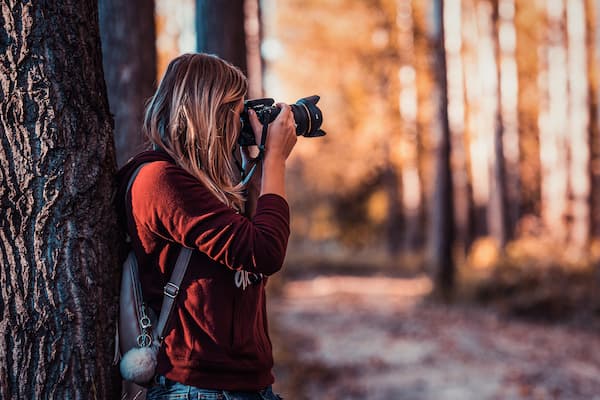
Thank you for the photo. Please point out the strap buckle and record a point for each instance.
(171, 290)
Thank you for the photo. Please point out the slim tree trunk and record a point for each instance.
(58, 233)
(553, 121)
(592, 12)
(578, 140)
(424, 63)
(456, 116)
(220, 30)
(499, 200)
(528, 38)
(508, 95)
(407, 104)
(129, 59)
(442, 224)
(253, 31)
(476, 56)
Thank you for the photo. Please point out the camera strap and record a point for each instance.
(254, 161)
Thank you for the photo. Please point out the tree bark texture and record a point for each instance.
(129, 56)
(220, 30)
(58, 273)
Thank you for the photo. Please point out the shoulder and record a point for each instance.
(164, 174)
(166, 184)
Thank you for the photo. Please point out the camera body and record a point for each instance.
(307, 116)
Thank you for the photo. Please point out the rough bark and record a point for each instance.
(129, 57)
(220, 30)
(442, 224)
(58, 273)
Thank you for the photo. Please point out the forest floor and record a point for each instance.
(359, 337)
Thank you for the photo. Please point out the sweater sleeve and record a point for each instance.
(174, 205)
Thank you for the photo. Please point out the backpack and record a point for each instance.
(139, 330)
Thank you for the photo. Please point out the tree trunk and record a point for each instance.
(425, 110)
(254, 60)
(592, 11)
(456, 116)
(499, 199)
(58, 233)
(528, 38)
(477, 127)
(129, 59)
(442, 224)
(407, 104)
(579, 154)
(553, 122)
(220, 30)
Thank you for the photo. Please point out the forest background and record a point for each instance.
(463, 149)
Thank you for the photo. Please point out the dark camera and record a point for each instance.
(307, 116)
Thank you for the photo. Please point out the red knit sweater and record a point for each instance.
(218, 336)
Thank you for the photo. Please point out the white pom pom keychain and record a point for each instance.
(139, 364)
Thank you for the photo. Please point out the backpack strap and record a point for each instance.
(171, 289)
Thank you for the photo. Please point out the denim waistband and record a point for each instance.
(167, 389)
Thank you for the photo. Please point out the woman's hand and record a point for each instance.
(281, 134)
(281, 139)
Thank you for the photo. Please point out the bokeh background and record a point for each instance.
(446, 230)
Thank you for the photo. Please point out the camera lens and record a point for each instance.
(307, 116)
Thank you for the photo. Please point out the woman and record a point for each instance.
(188, 194)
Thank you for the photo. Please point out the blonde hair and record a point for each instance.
(191, 117)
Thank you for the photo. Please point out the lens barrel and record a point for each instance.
(307, 116)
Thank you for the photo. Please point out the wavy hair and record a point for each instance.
(192, 118)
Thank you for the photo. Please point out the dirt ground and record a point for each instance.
(344, 337)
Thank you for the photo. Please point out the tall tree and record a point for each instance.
(129, 56)
(592, 40)
(578, 128)
(58, 270)
(528, 37)
(553, 120)
(424, 62)
(499, 200)
(220, 30)
(456, 119)
(407, 101)
(477, 124)
(254, 60)
(442, 219)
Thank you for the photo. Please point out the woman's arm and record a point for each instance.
(171, 204)
(281, 139)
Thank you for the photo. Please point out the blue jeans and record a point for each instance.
(166, 389)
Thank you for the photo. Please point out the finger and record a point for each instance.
(254, 122)
(285, 111)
